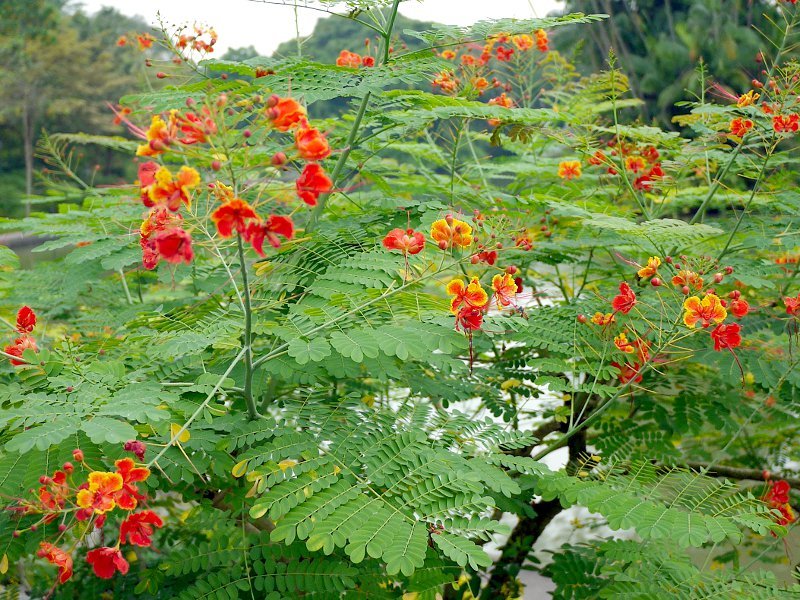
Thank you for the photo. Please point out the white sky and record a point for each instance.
(247, 22)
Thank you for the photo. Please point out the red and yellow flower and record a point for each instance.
(625, 300)
(310, 143)
(138, 528)
(726, 336)
(740, 127)
(472, 295)
(406, 241)
(168, 190)
(128, 495)
(603, 319)
(451, 232)
(100, 496)
(159, 135)
(285, 113)
(106, 562)
(569, 169)
(650, 269)
(233, 215)
(505, 289)
(275, 225)
(706, 311)
(58, 557)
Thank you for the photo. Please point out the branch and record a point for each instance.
(739, 473)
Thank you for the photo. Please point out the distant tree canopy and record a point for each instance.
(659, 44)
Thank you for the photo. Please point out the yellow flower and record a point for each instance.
(747, 99)
(706, 310)
(457, 233)
(650, 269)
(569, 169)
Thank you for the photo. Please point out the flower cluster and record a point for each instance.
(26, 322)
(354, 60)
(642, 162)
(83, 505)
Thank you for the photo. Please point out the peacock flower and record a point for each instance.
(233, 215)
(622, 343)
(406, 241)
(569, 169)
(138, 528)
(106, 562)
(739, 127)
(634, 164)
(650, 269)
(196, 127)
(310, 143)
(625, 300)
(541, 40)
(792, 305)
(174, 245)
(285, 113)
(603, 319)
(455, 233)
(726, 336)
(786, 124)
(469, 319)
(159, 135)
(348, 59)
(19, 346)
(26, 319)
(128, 495)
(100, 496)
(311, 183)
(169, 191)
(471, 295)
(706, 311)
(505, 289)
(689, 279)
(747, 99)
(56, 556)
(522, 42)
(739, 307)
(275, 225)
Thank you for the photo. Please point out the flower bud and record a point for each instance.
(443, 245)
(68, 467)
(448, 219)
(547, 234)
(273, 100)
(511, 269)
(44, 480)
(718, 277)
(15, 534)
(582, 319)
(728, 270)
(62, 527)
(161, 75)
(190, 102)
(685, 290)
(247, 133)
(655, 282)
(278, 159)
(77, 455)
(216, 165)
(474, 259)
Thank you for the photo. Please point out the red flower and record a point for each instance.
(628, 372)
(275, 225)
(56, 556)
(312, 182)
(138, 528)
(625, 300)
(285, 113)
(726, 336)
(18, 347)
(174, 245)
(787, 124)
(792, 306)
(234, 214)
(778, 492)
(469, 318)
(739, 127)
(739, 307)
(196, 128)
(107, 561)
(406, 241)
(488, 257)
(310, 143)
(127, 498)
(368, 61)
(504, 54)
(26, 319)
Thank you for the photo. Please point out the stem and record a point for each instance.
(351, 137)
(247, 337)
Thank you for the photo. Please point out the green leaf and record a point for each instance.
(104, 429)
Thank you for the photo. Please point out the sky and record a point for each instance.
(264, 26)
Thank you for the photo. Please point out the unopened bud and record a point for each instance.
(161, 75)
(62, 527)
(582, 319)
(718, 277)
(685, 290)
(655, 282)
(216, 165)
(77, 455)
(278, 159)
(273, 100)
(44, 480)
(190, 102)
(728, 270)
(442, 245)
(511, 269)
(448, 219)
(68, 467)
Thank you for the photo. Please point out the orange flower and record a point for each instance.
(285, 113)
(169, 192)
(312, 182)
(505, 289)
(634, 164)
(603, 319)
(688, 278)
(707, 310)
(628, 372)
(348, 59)
(56, 556)
(739, 127)
(406, 241)
(726, 336)
(625, 300)
(479, 83)
(522, 42)
(747, 99)
(456, 233)
(448, 54)
(159, 136)
(258, 231)
(472, 295)
(502, 100)
(310, 143)
(650, 269)
(622, 343)
(469, 319)
(106, 562)
(569, 169)
(128, 495)
(786, 124)
(122, 41)
(792, 306)
(145, 41)
(541, 40)
(100, 496)
(234, 214)
(446, 81)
